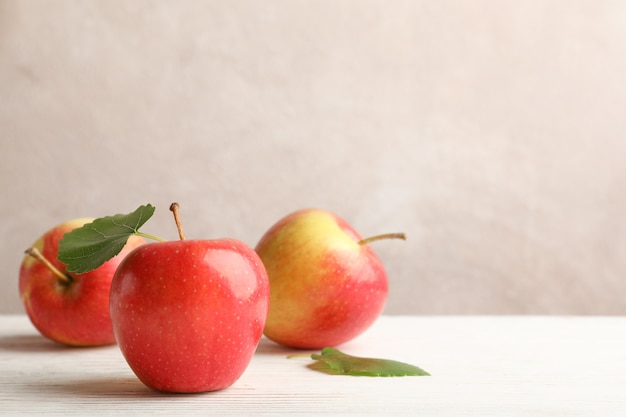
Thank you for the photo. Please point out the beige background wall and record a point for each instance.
(491, 132)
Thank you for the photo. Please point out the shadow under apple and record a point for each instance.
(269, 347)
(111, 388)
(120, 387)
(29, 343)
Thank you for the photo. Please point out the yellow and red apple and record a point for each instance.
(327, 285)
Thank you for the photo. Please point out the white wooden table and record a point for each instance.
(480, 366)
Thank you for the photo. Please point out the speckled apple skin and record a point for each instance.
(188, 315)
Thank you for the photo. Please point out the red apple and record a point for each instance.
(327, 284)
(68, 308)
(189, 314)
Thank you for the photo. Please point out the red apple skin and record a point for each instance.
(326, 288)
(74, 314)
(188, 315)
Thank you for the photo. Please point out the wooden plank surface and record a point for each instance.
(480, 366)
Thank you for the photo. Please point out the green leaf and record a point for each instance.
(88, 247)
(334, 362)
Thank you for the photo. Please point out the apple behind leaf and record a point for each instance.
(68, 308)
(327, 284)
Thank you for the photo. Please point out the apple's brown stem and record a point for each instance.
(174, 209)
(63, 277)
(381, 237)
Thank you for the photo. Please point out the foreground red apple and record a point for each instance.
(189, 314)
(327, 284)
(68, 308)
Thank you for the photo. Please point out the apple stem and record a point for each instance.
(35, 253)
(381, 237)
(174, 209)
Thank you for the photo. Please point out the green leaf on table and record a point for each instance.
(88, 247)
(332, 361)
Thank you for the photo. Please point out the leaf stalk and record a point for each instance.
(149, 236)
